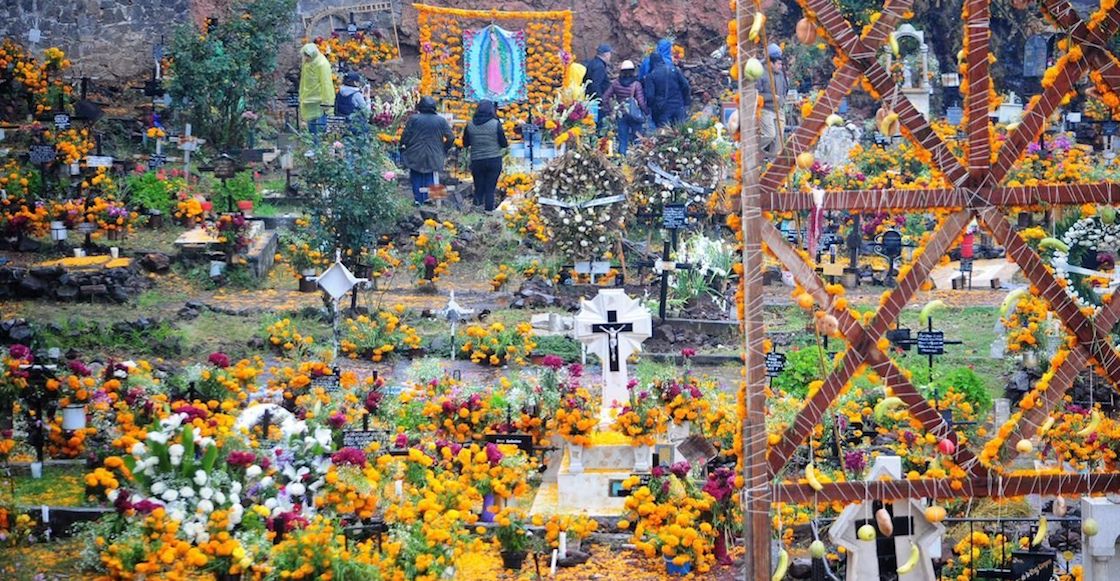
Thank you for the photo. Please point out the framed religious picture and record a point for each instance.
(494, 65)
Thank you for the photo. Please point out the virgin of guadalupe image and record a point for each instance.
(495, 64)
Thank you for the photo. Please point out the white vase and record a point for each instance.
(217, 267)
(73, 417)
(643, 458)
(36, 470)
(575, 459)
(677, 433)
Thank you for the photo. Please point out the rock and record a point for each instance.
(66, 292)
(155, 262)
(32, 286)
(28, 245)
(256, 343)
(93, 289)
(21, 333)
(665, 333)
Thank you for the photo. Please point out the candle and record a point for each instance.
(399, 486)
(552, 569)
(563, 545)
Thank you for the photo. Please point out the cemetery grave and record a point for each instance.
(233, 347)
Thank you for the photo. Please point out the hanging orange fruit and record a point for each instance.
(806, 31)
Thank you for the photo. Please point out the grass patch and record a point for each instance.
(53, 561)
(156, 298)
(91, 337)
(236, 277)
(210, 332)
(59, 486)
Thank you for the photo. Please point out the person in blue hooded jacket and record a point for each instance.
(667, 92)
(664, 49)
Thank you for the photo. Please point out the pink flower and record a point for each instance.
(552, 361)
(688, 352)
(430, 260)
(349, 457)
(337, 145)
(218, 359)
(389, 175)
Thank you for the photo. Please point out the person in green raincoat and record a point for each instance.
(316, 88)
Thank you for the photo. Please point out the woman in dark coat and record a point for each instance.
(486, 139)
(425, 142)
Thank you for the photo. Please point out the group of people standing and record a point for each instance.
(654, 94)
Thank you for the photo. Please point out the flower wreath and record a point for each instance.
(1088, 239)
(688, 152)
(582, 203)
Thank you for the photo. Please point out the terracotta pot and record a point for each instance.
(513, 560)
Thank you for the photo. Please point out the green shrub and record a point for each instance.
(803, 366)
(563, 347)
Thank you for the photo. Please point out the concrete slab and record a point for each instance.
(983, 272)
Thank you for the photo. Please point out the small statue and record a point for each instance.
(907, 76)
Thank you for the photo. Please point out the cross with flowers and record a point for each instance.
(976, 192)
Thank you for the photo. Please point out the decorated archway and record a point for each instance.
(975, 190)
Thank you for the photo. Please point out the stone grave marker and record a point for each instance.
(880, 558)
(613, 326)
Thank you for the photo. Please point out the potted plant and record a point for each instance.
(514, 537)
(304, 255)
(641, 420)
(154, 192)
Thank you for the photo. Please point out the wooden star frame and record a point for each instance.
(975, 193)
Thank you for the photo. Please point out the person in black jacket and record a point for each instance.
(486, 139)
(598, 71)
(667, 91)
(425, 142)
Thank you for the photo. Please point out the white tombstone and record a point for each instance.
(613, 326)
(1100, 560)
(1003, 410)
(863, 561)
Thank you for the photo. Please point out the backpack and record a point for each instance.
(344, 106)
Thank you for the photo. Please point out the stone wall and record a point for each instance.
(114, 38)
(104, 38)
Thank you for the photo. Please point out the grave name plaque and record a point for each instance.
(224, 167)
(62, 121)
(966, 265)
(157, 160)
(99, 161)
(674, 216)
(522, 441)
(1110, 128)
(775, 364)
(329, 383)
(931, 343)
(1032, 565)
(292, 99)
(41, 153)
(361, 439)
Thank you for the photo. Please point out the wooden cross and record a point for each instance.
(187, 144)
(975, 191)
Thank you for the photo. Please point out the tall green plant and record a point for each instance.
(222, 77)
(356, 196)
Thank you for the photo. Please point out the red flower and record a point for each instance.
(218, 359)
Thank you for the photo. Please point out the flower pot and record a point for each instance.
(59, 232)
(73, 417)
(155, 219)
(575, 459)
(217, 267)
(643, 458)
(679, 570)
(116, 234)
(513, 560)
(678, 432)
(487, 505)
(307, 285)
(246, 206)
(1030, 360)
(36, 470)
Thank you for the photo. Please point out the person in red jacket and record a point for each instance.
(626, 92)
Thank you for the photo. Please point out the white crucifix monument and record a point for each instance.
(613, 326)
(880, 557)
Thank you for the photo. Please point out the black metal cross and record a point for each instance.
(612, 328)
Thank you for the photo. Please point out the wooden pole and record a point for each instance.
(757, 491)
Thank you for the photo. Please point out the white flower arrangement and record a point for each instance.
(1091, 235)
(575, 196)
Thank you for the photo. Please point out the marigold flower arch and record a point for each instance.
(976, 191)
(548, 37)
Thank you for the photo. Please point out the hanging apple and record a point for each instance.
(946, 446)
(817, 549)
(834, 120)
(867, 533)
(1024, 446)
(805, 160)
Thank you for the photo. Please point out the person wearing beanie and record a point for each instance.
(598, 71)
(773, 99)
(351, 99)
(628, 95)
